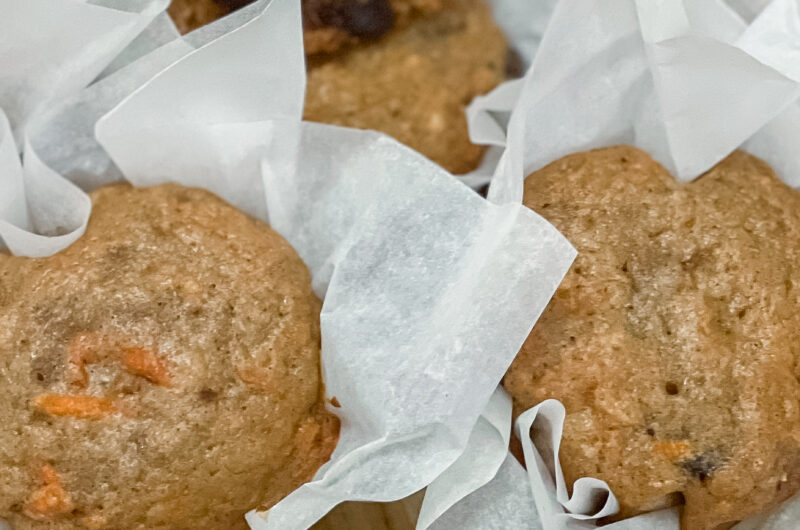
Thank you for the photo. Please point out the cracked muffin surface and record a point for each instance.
(161, 372)
(673, 339)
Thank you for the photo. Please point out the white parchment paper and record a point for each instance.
(51, 48)
(429, 290)
(686, 81)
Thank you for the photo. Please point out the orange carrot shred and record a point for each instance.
(672, 449)
(83, 407)
(145, 363)
(50, 499)
(88, 348)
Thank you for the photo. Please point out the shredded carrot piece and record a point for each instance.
(50, 499)
(672, 449)
(88, 348)
(84, 407)
(145, 363)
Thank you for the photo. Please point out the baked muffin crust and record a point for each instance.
(161, 372)
(673, 340)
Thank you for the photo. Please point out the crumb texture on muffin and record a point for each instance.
(674, 339)
(416, 82)
(162, 372)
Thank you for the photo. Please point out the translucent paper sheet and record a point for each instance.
(51, 48)
(428, 289)
(523, 23)
(686, 81)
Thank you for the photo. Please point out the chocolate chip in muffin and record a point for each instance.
(370, 19)
(208, 395)
(365, 19)
(702, 466)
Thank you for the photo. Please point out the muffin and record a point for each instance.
(407, 68)
(673, 340)
(416, 82)
(162, 372)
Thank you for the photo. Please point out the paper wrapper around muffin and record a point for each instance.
(688, 82)
(83, 37)
(427, 288)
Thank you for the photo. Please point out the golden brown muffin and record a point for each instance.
(415, 83)
(674, 339)
(407, 68)
(162, 372)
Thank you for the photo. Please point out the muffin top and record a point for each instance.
(416, 82)
(161, 372)
(673, 341)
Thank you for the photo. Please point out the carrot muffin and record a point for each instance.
(407, 68)
(162, 372)
(673, 340)
(416, 82)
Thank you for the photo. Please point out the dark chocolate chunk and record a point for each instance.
(367, 19)
(701, 466)
(208, 395)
